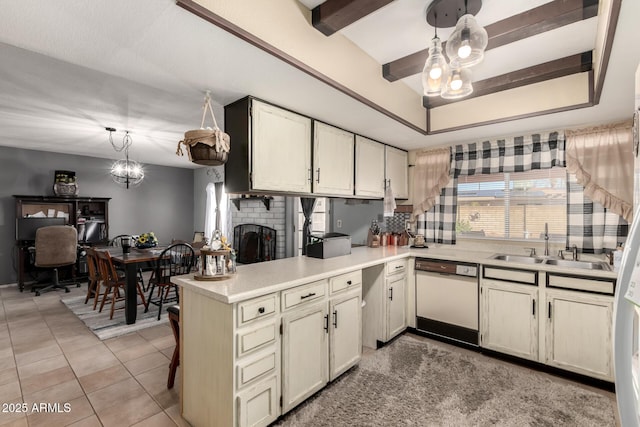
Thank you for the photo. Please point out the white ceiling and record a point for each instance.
(70, 68)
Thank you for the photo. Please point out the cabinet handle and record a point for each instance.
(310, 175)
(311, 294)
(549, 312)
(348, 282)
(326, 323)
(318, 176)
(261, 310)
(335, 319)
(534, 308)
(399, 266)
(391, 293)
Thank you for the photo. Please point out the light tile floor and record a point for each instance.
(48, 356)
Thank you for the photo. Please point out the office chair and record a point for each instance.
(56, 246)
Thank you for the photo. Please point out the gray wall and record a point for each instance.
(356, 218)
(162, 203)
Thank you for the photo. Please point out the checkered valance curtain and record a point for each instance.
(590, 226)
(519, 154)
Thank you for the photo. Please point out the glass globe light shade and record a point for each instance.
(457, 84)
(434, 69)
(127, 172)
(467, 43)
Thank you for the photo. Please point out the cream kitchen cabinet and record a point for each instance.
(384, 293)
(322, 335)
(305, 361)
(345, 330)
(333, 160)
(369, 168)
(270, 149)
(509, 312)
(396, 171)
(578, 328)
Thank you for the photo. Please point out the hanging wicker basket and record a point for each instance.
(208, 147)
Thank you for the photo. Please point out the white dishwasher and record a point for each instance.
(447, 299)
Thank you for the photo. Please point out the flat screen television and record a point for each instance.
(26, 227)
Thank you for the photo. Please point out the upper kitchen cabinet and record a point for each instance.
(396, 171)
(270, 149)
(369, 168)
(332, 160)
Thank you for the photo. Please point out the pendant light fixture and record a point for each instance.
(457, 84)
(464, 48)
(125, 171)
(435, 68)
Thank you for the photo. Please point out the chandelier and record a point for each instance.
(125, 171)
(465, 48)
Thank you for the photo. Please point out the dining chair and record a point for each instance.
(174, 320)
(113, 283)
(116, 242)
(95, 277)
(175, 260)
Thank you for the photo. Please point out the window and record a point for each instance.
(513, 205)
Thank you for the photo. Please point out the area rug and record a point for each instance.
(412, 382)
(105, 328)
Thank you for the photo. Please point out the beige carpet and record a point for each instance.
(412, 382)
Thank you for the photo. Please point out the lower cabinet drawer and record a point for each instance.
(345, 281)
(397, 266)
(304, 294)
(255, 338)
(258, 406)
(253, 368)
(257, 308)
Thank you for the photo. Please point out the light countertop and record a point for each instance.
(258, 279)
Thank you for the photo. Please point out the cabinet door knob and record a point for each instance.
(261, 310)
(348, 282)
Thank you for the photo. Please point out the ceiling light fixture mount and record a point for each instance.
(125, 171)
(464, 48)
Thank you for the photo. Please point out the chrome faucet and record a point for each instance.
(546, 239)
(574, 252)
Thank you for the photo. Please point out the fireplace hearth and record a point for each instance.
(254, 243)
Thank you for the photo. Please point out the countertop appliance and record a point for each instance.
(626, 331)
(329, 245)
(447, 300)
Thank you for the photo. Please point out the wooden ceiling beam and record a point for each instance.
(546, 17)
(333, 15)
(578, 63)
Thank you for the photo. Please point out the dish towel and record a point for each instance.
(389, 202)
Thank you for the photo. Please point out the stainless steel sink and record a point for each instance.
(586, 265)
(518, 258)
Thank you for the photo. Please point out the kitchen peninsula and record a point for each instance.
(256, 345)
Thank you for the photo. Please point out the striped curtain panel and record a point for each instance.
(590, 226)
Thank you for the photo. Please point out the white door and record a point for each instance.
(346, 333)
(369, 167)
(332, 160)
(281, 149)
(305, 357)
(395, 302)
(578, 333)
(396, 167)
(509, 319)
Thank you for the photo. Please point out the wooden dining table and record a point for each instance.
(130, 262)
